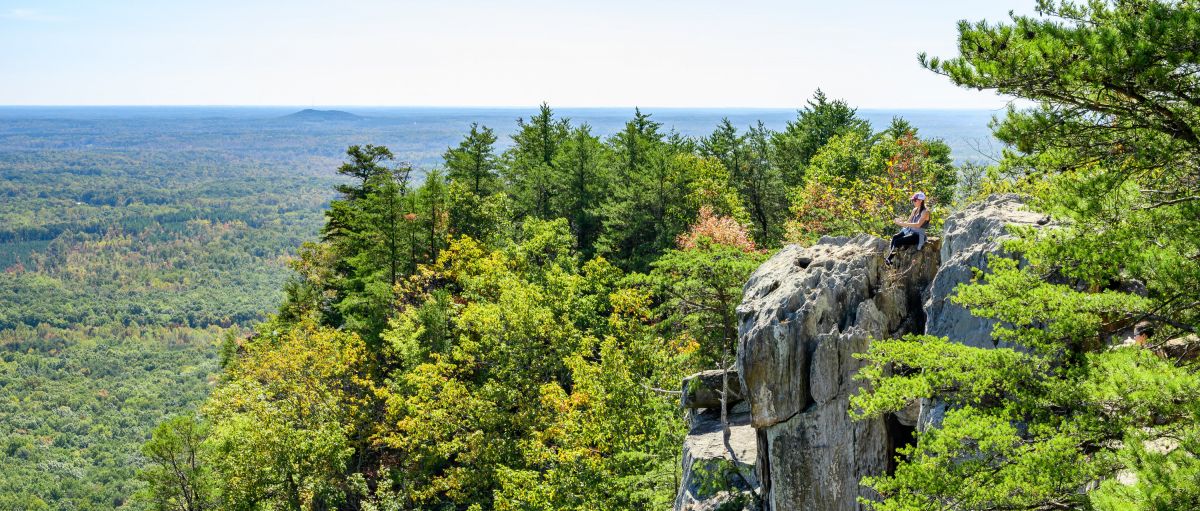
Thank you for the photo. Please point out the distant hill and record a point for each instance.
(309, 114)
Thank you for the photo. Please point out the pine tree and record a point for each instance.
(1110, 150)
(474, 161)
(762, 188)
(532, 173)
(433, 212)
(726, 145)
(635, 216)
(364, 232)
(366, 162)
(819, 122)
(373, 256)
(584, 176)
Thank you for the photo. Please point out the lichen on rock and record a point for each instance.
(713, 477)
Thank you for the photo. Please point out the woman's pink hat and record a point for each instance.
(918, 195)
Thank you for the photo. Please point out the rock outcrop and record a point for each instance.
(969, 236)
(703, 390)
(712, 478)
(803, 316)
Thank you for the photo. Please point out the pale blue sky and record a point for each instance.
(670, 53)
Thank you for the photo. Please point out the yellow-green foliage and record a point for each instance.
(483, 341)
(284, 419)
(855, 184)
(529, 396)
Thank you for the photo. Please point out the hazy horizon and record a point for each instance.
(482, 107)
(470, 53)
(421, 134)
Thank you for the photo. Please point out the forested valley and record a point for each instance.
(509, 330)
(504, 325)
(135, 279)
(121, 272)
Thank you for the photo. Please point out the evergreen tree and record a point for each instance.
(532, 173)
(727, 146)
(636, 214)
(374, 256)
(818, 123)
(762, 188)
(746, 158)
(474, 161)
(366, 162)
(1110, 150)
(364, 230)
(366, 165)
(434, 216)
(584, 181)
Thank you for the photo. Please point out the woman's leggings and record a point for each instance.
(904, 239)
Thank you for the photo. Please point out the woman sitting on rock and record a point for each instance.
(913, 232)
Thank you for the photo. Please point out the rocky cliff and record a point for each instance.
(804, 313)
(969, 236)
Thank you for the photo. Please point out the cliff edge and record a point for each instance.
(805, 313)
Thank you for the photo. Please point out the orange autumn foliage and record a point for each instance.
(718, 229)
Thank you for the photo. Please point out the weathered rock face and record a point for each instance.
(710, 470)
(703, 390)
(804, 314)
(969, 236)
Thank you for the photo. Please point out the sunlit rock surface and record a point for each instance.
(805, 313)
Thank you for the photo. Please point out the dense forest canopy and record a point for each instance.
(497, 333)
(134, 246)
(504, 345)
(502, 325)
(120, 272)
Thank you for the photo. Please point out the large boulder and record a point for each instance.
(803, 316)
(713, 477)
(806, 312)
(969, 237)
(703, 389)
